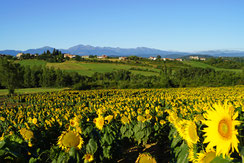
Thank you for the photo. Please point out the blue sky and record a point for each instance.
(181, 25)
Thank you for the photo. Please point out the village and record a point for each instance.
(123, 58)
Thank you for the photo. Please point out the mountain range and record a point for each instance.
(139, 51)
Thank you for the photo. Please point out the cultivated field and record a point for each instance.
(204, 65)
(88, 69)
(177, 125)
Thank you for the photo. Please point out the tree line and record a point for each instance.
(13, 75)
(228, 63)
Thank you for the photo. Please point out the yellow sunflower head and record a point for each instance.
(220, 130)
(70, 139)
(34, 121)
(88, 157)
(191, 156)
(99, 121)
(109, 118)
(190, 133)
(145, 158)
(162, 122)
(26, 134)
(206, 157)
(141, 118)
(73, 123)
(124, 120)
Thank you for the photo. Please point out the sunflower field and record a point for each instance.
(188, 124)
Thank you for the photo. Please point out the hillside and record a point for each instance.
(203, 65)
(89, 69)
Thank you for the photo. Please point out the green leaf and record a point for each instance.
(91, 147)
(32, 160)
(139, 135)
(2, 152)
(123, 129)
(242, 151)
(108, 138)
(219, 159)
(183, 154)
(2, 143)
(72, 152)
(62, 157)
(88, 130)
(128, 133)
(147, 131)
(136, 128)
(106, 152)
(175, 141)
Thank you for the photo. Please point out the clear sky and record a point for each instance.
(181, 25)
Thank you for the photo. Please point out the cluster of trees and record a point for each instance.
(55, 56)
(231, 63)
(13, 75)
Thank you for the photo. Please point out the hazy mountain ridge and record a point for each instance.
(139, 51)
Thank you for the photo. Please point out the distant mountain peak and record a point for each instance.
(81, 49)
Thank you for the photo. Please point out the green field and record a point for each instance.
(32, 62)
(89, 69)
(203, 65)
(30, 90)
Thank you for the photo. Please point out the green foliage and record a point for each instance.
(227, 63)
(10, 74)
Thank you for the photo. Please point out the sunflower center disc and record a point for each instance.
(224, 128)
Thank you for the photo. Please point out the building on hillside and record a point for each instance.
(179, 59)
(202, 59)
(102, 57)
(85, 56)
(194, 57)
(122, 58)
(167, 59)
(19, 55)
(69, 55)
(152, 58)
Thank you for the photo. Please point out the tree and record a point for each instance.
(77, 58)
(158, 57)
(10, 75)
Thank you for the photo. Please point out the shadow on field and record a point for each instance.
(160, 151)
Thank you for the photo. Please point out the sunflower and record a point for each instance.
(70, 139)
(190, 133)
(162, 122)
(109, 118)
(26, 134)
(99, 121)
(206, 157)
(88, 157)
(34, 121)
(124, 120)
(145, 158)
(2, 137)
(141, 118)
(221, 130)
(191, 156)
(180, 127)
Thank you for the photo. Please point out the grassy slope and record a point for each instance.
(87, 68)
(32, 62)
(203, 65)
(30, 90)
(90, 68)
